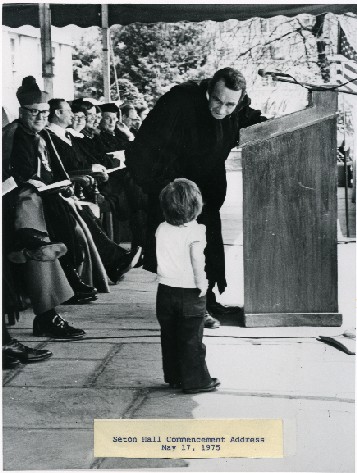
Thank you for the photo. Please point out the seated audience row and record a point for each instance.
(59, 243)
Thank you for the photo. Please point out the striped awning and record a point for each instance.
(86, 15)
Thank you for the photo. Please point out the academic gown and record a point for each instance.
(180, 138)
(126, 197)
(34, 156)
(92, 150)
(44, 282)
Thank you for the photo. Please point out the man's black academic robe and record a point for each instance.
(180, 138)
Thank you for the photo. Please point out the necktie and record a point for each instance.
(68, 136)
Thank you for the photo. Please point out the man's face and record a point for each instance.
(132, 120)
(34, 116)
(222, 100)
(91, 118)
(64, 115)
(108, 122)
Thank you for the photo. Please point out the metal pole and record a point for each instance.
(106, 52)
(345, 158)
(46, 47)
(115, 70)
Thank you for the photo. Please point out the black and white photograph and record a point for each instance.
(154, 154)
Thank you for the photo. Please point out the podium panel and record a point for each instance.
(290, 218)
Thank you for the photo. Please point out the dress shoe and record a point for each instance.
(8, 361)
(211, 322)
(79, 299)
(32, 244)
(30, 238)
(56, 328)
(75, 281)
(127, 262)
(205, 389)
(215, 308)
(24, 353)
(48, 252)
(83, 290)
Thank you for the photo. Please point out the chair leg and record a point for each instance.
(107, 221)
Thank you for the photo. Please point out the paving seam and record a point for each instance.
(97, 463)
(221, 391)
(92, 378)
(139, 398)
(287, 396)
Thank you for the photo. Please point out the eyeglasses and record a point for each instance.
(34, 112)
(76, 117)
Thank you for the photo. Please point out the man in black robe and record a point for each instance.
(190, 133)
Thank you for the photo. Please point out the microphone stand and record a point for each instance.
(313, 87)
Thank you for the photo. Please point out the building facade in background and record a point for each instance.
(21, 57)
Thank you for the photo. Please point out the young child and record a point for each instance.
(181, 295)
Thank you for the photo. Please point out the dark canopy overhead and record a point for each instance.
(18, 14)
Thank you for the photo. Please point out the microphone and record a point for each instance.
(264, 73)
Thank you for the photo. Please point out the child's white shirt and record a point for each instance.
(174, 266)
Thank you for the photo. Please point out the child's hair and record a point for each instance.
(181, 201)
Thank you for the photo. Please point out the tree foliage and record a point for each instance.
(87, 64)
(154, 57)
(149, 59)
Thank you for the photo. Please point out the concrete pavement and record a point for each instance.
(49, 407)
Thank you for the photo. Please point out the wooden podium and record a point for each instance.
(290, 218)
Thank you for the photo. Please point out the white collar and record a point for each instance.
(60, 132)
(75, 133)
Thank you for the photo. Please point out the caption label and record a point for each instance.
(188, 438)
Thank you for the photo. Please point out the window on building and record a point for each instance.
(54, 51)
(13, 59)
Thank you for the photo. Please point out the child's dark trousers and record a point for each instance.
(180, 313)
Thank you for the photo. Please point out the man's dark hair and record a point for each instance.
(125, 109)
(55, 104)
(232, 78)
